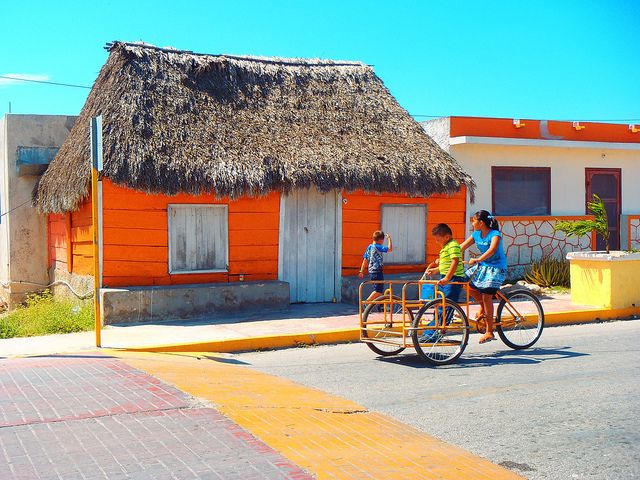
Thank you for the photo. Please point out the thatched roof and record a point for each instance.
(176, 121)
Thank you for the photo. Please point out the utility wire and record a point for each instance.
(413, 115)
(14, 208)
(18, 79)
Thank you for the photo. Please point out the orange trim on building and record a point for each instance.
(536, 129)
(534, 218)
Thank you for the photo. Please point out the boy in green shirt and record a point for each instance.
(451, 268)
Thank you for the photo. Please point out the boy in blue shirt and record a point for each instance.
(373, 256)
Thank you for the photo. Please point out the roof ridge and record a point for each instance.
(291, 61)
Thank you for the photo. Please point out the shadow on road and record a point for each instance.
(507, 357)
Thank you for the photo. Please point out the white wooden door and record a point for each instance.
(309, 249)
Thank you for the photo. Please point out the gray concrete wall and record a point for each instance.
(180, 302)
(70, 285)
(351, 286)
(4, 220)
(26, 229)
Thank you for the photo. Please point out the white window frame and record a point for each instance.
(172, 206)
(422, 206)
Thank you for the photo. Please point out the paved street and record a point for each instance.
(92, 417)
(566, 409)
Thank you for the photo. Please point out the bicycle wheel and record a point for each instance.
(520, 321)
(381, 331)
(444, 344)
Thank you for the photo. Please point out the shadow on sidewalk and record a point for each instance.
(507, 357)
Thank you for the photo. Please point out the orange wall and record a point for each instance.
(503, 127)
(57, 240)
(361, 216)
(135, 231)
(82, 239)
(70, 240)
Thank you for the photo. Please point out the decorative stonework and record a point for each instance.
(527, 239)
(634, 232)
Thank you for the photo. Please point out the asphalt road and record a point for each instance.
(569, 408)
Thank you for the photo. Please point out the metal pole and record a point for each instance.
(96, 210)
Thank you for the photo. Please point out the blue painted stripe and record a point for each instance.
(36, 155)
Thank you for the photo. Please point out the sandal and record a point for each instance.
(486, 339)
(481, 325)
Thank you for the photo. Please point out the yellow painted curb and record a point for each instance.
(268, 342)
(571, 317)
(329, 436)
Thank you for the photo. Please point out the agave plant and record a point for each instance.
(600, 222)
(549, 272)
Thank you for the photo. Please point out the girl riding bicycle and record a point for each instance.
(488, 271)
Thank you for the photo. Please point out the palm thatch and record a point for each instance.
(176, 121)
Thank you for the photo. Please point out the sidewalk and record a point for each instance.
(298, 325)
(123, 415)
(94, 417)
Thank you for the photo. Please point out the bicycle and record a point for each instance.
(390, 323)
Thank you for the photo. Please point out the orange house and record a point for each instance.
(247, 181)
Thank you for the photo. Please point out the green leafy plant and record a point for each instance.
(579, 228)
(42, 314)
(548, 272)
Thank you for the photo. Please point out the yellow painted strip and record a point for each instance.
(328, 436)
(570, 317)
(268, 342)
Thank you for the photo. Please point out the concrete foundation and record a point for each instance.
(149, 304)
(82, 285)
(351, 285)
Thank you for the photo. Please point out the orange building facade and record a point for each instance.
(136, 235)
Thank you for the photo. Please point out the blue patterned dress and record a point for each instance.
(488, 275)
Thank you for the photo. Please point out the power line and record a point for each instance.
(9, 77)
(14, 208)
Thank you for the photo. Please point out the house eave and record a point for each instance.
(534, 142)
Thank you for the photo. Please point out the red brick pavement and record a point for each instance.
(94, 417)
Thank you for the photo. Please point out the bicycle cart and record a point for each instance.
(439, 328)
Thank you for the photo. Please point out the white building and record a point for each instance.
(529, 172)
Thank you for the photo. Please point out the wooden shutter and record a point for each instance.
(198, 238)
(407, 225)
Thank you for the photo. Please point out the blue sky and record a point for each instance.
(546, 59)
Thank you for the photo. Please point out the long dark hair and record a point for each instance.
(488, 219)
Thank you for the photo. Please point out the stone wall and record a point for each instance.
(527, 239)
(634, 232)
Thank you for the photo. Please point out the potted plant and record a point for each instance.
(607, 279)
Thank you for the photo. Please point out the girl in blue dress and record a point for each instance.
(488, 271)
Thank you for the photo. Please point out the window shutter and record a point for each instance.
(198, 238)
(407, 225)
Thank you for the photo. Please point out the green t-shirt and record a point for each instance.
(450, 251)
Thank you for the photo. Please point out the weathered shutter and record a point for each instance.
(407, 225)
(198, 238)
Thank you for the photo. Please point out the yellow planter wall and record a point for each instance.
(610, 281)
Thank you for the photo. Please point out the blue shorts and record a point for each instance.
(378, 287)
(451, 292)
